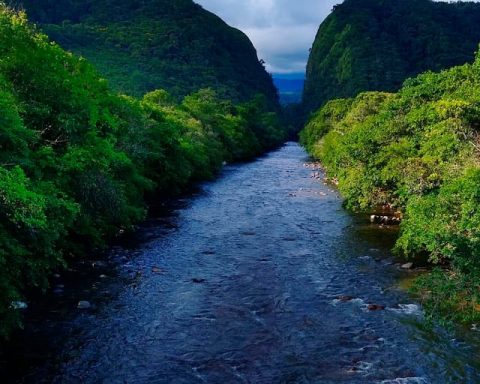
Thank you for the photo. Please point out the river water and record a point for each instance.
(240, 284)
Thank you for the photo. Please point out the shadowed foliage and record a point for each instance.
(145, 45)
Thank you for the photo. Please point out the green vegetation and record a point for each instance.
(141, 46)
(374, 45)
(418, 151)
(77, 160)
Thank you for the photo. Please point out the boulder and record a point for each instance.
(407, 265)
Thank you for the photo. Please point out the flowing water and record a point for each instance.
(241, 284)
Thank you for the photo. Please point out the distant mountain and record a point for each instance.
(290, 87)
(376, 44)
(144, 45)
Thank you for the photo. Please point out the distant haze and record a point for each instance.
(282, 30)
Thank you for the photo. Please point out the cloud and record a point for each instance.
(282, 30)
(283, 49)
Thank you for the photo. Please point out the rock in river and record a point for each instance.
(375, 307)
(407, 266)
(84, 304)
(19, 305)
(345, 298)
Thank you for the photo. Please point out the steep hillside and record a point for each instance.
(376, 44)
(150, 44)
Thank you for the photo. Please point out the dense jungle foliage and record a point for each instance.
(77, 160)
(141, 46)
(374, 45)
(419, 151)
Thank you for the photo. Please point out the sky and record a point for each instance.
(283, 31)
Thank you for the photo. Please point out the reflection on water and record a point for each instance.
(261, 278)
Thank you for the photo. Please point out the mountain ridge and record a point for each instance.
(374, 45)
(140, 46)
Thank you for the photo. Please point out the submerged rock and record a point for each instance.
(59, 289)
(19, 305)
(84, 304)
(198, 281)
(99, 264)
(345, 298)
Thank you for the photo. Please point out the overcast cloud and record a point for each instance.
(282, 30)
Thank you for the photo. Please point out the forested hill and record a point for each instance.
(376, 44)
(78, 161)
(144, 45)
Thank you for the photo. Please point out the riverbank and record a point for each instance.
(416, 151)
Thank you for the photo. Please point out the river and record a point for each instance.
(240, 283)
